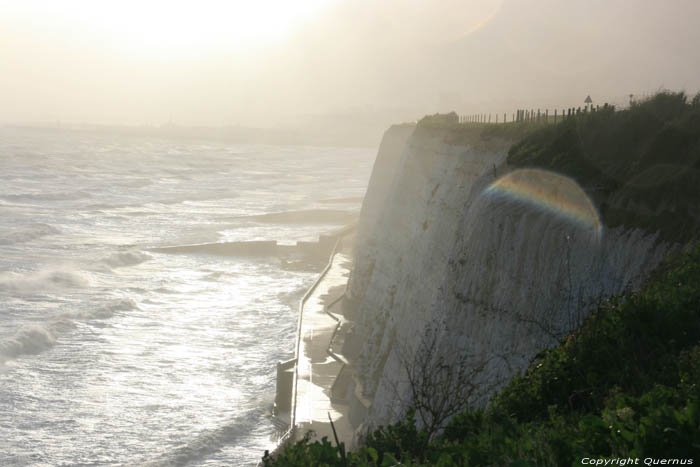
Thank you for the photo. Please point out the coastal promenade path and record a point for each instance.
(316, 368)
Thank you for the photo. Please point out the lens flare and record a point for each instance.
(551, 192)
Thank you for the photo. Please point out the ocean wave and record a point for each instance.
(27, 233)
(309, 216)
(32, 339)
(57, 196)
(212, 276)
(125, 258)
(153, 204)
(43, 280)
(103, 312)
(209, 442)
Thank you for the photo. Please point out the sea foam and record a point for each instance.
(32, 339)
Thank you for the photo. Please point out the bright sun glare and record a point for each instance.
(167, 26)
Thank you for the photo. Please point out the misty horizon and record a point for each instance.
(276, 66)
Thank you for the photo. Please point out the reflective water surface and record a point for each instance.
(111, 353)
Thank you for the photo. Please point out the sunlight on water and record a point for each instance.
(114, 352)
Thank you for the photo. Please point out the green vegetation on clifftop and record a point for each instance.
(641, 166)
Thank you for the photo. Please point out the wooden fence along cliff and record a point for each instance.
(531, 115)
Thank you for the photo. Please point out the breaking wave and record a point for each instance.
(42, 280)
(32, 339)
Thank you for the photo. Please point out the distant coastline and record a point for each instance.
(340, 131)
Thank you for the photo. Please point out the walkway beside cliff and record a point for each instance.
(317, 369)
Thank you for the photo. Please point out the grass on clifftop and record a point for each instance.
(481, 136)
(626, 384)
(641, 166)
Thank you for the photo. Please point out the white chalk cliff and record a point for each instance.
(440, 250)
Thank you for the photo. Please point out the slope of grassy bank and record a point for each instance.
(626, 384)
(641, 166)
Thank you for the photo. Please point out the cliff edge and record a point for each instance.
(486, 256)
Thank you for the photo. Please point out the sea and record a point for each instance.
(114, 351)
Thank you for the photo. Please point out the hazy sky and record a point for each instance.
(261, 62)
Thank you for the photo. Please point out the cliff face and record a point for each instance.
(456, 246)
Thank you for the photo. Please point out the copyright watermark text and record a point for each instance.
(620, 461)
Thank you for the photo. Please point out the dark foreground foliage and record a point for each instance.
(626, 384)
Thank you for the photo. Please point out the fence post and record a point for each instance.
(555, 115)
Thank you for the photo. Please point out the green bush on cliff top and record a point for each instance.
(626, 384)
